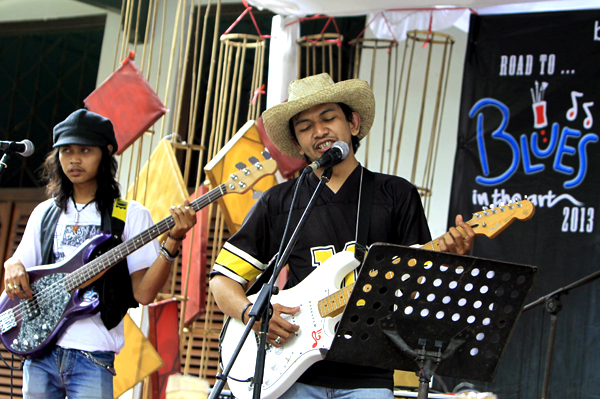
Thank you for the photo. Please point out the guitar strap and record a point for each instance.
(365, 202)
(114, 287)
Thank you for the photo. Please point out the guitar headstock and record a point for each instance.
(492, 221)
(243, 180)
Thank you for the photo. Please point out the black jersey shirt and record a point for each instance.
(397, 217)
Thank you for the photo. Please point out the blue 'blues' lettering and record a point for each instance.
(550, 149)
(588, 138)
(529, 168)
(563, 148)
(498, 134)
(558, 145)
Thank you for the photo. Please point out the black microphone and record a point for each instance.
(24, 148)
(336, 154)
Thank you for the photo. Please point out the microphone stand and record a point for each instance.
(553, 305)
(261, 310)
(3, 161)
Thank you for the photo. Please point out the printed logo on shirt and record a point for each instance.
(71, 240)
(321, 254)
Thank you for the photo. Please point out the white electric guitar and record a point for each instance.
(321, 305)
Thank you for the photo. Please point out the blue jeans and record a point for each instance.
(68, 372)
(299, 390)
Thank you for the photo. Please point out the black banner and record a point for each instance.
(529, 124)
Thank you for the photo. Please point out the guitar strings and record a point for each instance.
(81, 275)
(48, 294)
(84, 273)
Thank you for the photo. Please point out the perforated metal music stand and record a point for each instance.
(431, 312)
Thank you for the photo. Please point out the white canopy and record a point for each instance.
(404, 15)
(361, 7)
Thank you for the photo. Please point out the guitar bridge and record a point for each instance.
(7, 321)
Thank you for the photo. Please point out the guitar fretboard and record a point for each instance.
(121, 251)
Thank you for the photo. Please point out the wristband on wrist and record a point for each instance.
(173, 238)
(167, 253)
(165, 257)
(244, 311)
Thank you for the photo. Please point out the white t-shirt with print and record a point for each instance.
(89, 333)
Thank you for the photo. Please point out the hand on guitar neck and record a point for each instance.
(457, 240)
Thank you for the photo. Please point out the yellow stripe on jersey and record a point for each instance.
(247, 268)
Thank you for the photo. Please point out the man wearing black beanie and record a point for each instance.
(84, 199)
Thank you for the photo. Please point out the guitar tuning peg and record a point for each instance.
(266, 154)
(253, 160)
(240, 165)
(485, 208)
(502, 204)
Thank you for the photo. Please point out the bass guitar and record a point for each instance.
(28, 326)
(321, 305)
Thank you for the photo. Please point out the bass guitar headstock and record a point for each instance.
(243, 180)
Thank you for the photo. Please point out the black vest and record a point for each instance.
(114, 287)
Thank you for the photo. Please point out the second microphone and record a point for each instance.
(336, 154)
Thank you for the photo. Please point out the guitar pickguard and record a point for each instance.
(37, 326)
(285, 364)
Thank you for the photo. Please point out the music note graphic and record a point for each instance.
(589, 120)
(572, 112)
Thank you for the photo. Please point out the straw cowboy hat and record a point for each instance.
(314, 90)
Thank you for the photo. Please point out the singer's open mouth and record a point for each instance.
(325, 145)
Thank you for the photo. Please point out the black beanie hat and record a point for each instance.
(83, 127)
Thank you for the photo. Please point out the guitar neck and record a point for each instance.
(489, 222)
(434, 245)
(335, 303)
(121, 251)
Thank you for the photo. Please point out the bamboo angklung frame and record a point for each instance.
(327, 42)
(375, 45)
(423, 165)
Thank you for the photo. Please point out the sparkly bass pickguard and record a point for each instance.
(42, 314)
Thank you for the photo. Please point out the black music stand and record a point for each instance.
(431, 312)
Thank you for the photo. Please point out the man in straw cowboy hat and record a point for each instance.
(319, 113)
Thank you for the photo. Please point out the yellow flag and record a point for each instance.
(159, 184)
(137, 360)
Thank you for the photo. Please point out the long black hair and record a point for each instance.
(59, 187)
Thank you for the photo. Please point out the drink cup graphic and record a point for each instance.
(539, 115)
